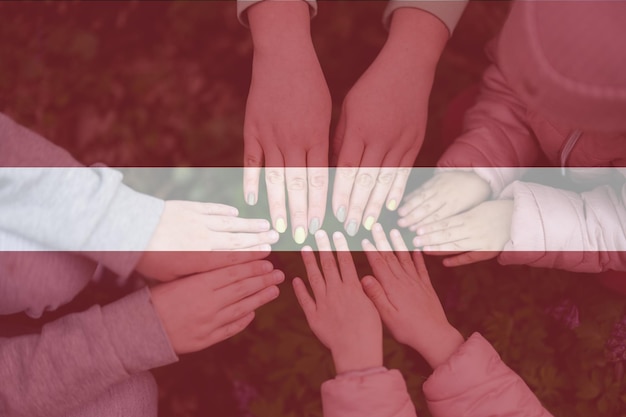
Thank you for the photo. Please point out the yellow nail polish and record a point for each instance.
(369, 222)
(392, 205)
(281, 226)
(300, 235)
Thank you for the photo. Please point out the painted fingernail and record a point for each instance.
(352, 228)
(341, 214)
(369, 222)
(281, 226)
(251, 200)
(300, 235)
(314, 225)
(392, 205)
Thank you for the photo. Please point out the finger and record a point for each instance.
(211, 209)
(252, 162)
(469, 258)
(317, 170)
(383, 246)
(298, 190)
(447, 248)
(244, 307)
(344, 258)
(449, 223)
(275, 182)
(236, 224)
(239, 290)
(399, 183)
(402, 252)
(221, 277)
(361, 190)
(378, 195)
(235, 241)
(231, 329)
(377, 263)
(442, 237)
(418, 197)
(307, 303)
(349, 160)
(380, 239)
(428, 209)
(318, 285)
(420, 265)
(375, 292)
(200, 262)
(327, 259)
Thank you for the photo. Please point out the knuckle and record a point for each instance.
(275, 176)
(296, 184)
(347, 172)
(386, 178)
(328, 264)
(365, 180)
(252, 161)
(317, 181)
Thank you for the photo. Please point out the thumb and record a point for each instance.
(376, 293)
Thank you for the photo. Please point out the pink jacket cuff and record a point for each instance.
(373, 394)
(448, 11)
(475, 382)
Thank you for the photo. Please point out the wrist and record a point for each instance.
(280, 25)
(358, 360)
(440, 346)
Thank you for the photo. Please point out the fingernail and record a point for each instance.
(352, 228)
(314, 225)
(264, 225)
(274, 291)
(378, 227)
(266, 248)
(369, 222)
(281, 226)
(250, 199)
(368, 281)
(417, 242)
(392, 205)
(341, 214)
(274, 236)
(300, 235)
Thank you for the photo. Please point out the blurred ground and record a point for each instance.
(165, 84)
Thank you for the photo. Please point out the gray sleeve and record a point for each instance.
(448, 11)
(48, 198)
(79, 356)
(243, 5)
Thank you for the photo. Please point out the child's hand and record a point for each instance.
(204, 309)
(406, 299)
(341, 315)
(446, 194)
(482, 232)
(186, 227)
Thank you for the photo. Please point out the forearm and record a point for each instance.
(78, 357)
(418, 37)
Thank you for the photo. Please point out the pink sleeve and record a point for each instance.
(475, 382)
(495, 135)
(555, 228)
(377, 394)
(76, 358)
(243, 5)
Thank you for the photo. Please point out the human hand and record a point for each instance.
(339, 313)
(188, 230)
(446, 194)
(406, 300)
(383, 120)
(204, 309)
(287, 118)
(480, 232)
